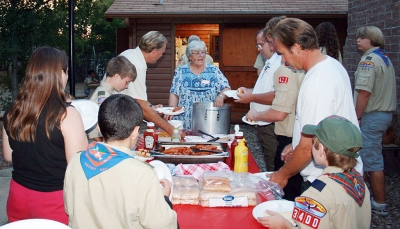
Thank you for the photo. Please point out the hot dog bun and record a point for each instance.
(239, 91)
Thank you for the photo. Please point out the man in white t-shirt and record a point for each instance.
(151, 47)
(325, 91)
(262, 94)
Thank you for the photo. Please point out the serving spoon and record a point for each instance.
(197, 150)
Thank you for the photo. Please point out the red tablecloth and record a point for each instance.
(197, 217)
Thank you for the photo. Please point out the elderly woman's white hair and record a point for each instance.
(195, 45)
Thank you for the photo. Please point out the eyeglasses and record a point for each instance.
(260, 46)
(199, 53)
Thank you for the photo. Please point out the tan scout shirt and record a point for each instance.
(127, 195)
(342, 211)
(99, 95)
(286, 84)
(374, 76)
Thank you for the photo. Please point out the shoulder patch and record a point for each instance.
(308, 211)
(318, 184)
(369, 58)
(101, 93)
(283, 79)
(100, 100)
(366, 65)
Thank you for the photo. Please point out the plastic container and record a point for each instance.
(150, 136)
(176, 137)
(241, 157)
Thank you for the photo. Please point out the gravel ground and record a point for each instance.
(392, 179)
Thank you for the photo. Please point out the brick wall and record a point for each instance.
(385, 15)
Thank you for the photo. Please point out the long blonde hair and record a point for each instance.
(42, 85)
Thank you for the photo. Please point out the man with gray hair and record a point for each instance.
(185, 60)
(151, 47)
(325, 91)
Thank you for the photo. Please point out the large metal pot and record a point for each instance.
(210, 119)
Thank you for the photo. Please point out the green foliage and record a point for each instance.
(27, 24)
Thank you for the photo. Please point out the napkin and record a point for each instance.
(197, 170)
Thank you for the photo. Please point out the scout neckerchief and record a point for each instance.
(99, 157)
(383, 55)
(352, 182)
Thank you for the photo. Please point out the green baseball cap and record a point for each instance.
(337, 134)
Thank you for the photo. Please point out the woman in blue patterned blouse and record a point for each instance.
(196, 82)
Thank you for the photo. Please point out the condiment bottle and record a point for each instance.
(176, 137)
(235, 142)
(241, 157)
(150, 136)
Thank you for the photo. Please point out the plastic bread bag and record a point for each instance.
(216, 181)
(267, 189)
(186, 195)
(184, 181)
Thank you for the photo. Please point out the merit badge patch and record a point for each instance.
(366, 65)
(100, 100)
(308, 211)
(283, 79)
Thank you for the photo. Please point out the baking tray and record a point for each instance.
(188, 159)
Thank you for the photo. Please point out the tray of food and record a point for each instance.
(190, 152)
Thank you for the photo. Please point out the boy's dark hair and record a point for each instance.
(91, 71)
(122, 66)
(118, 115)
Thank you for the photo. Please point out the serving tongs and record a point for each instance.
(213, 139)
(197, 150)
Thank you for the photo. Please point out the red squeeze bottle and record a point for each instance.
(150, 136)
(238, 137)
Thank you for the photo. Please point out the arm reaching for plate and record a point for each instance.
(166, 186)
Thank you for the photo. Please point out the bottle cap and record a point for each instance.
(150, 124)
(237, 128)
(239, 134)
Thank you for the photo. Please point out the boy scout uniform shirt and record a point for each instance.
(127, 195)
(374, 76)
(287, 83)
(99, 95)
(333, 205)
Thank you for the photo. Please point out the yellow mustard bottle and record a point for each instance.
(241, 157)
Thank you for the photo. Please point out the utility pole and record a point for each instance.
(71, 49)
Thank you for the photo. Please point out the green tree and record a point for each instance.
(27, 24)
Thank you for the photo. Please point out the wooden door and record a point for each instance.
(238, 54)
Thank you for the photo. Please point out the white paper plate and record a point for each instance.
(262, 175)
(163, 173)
(88, 110)
(231, 93)
(168, 110)
(190, 138)
(140, 158)
(283, 207)
(254, 123)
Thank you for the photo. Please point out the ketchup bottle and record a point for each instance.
(238, 137)
(150, 136)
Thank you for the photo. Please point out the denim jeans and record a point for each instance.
(373, 128)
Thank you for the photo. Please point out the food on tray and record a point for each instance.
(239, 91)
(177, 109)
(164, 134)
(184, 150)
(143, 153)
(216, 184)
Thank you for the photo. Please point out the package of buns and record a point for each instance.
(216, 184)
(187, 181)
(186, 190)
